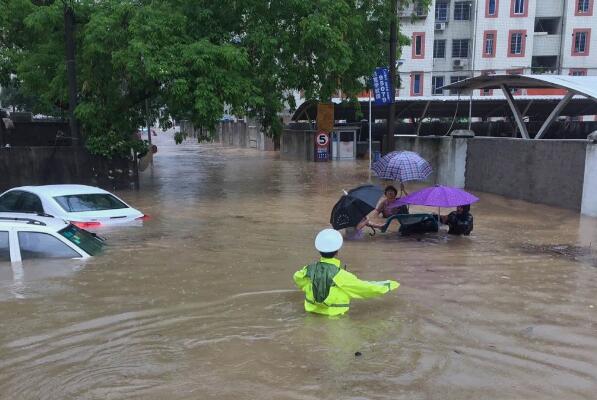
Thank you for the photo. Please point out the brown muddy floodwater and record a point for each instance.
(199, 303)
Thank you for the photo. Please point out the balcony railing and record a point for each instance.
(546, 45)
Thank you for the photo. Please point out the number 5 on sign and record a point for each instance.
(322, 139)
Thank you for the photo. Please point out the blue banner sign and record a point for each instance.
(382, 86)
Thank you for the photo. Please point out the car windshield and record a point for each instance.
(85, 240)
(89, 202)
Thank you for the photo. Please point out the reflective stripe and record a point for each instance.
(325, 304)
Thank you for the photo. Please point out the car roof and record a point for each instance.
(60, 190)
(19, 218)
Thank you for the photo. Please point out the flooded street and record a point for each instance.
(199, 303)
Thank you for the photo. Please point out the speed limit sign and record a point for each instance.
(322, 139)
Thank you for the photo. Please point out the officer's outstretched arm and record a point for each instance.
(358, 289)
(300, 278)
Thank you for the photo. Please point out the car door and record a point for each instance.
(4, 245)
(35, 245)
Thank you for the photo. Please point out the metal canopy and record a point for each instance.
(537, 108)
(582, 85)
(585, 86)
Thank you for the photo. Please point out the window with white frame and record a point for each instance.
(418, 45)
(580, 42)
(516, 43)
(462, 10)
(519, 6)
(460, 48)
(417, 84)
(489, 44)
(441, 11)
(583, 6)
(439, 48)
(438, 84)
(491, 7)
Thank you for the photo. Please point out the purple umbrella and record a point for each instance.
(440, 196)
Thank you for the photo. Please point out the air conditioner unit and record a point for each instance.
(440, 26)
(460, 63)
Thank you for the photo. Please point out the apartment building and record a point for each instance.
(456, 39)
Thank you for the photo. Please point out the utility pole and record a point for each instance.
(71, 71)
(389, 142)
(148, 121)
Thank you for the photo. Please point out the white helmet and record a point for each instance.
(328, 241)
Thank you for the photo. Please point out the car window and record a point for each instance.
(10, 201)
(4, 246)
(30, 203)
(85, 240)
(89, 202)
(43, 245)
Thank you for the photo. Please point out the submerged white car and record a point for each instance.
(84, 206)
(27, 237)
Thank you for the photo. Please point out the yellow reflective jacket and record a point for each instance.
(342, 287)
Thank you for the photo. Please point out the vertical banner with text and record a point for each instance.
(382, 86)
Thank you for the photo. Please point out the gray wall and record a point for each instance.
(52, 165)
(245, 134)
(447, 156)
(36, 133)
(297, 145)
(589, 193)
(542, 171)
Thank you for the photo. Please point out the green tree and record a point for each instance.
(190, 58)
(12, 96)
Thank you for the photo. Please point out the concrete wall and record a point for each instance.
(52, 165)
(589, 194)
(245, 134)
(447, 156)
(541, 171)
(297, 145)
(551, 172)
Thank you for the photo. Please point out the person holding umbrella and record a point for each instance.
(351, 211)
(327, 286)
(460, 222)
(391, 204)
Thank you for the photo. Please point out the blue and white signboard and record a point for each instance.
(382, 86)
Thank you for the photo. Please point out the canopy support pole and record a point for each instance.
(554, 114)
(517, 116)
(524, 114)
(423, 114)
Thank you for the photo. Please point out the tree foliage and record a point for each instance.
(190, 58)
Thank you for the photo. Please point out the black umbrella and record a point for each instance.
(354, 206)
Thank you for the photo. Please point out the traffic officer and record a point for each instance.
(328, 287)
